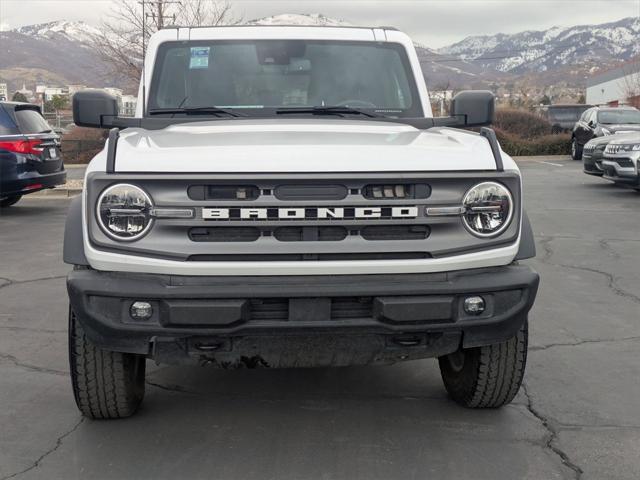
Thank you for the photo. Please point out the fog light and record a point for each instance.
(141, 310)
(474, 305)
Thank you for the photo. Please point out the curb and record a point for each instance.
(61, 192)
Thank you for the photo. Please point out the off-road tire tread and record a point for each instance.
(105, 384)
(491, 376)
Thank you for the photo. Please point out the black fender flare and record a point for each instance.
(527, 247)
(73, 247)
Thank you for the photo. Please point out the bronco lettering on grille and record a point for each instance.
(309, 213)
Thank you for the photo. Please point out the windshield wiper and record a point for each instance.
(335, 110)
(196, 111)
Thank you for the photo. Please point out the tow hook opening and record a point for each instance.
(208, 347)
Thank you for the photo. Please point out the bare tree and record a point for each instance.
(126, 29)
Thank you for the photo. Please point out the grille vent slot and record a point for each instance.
(310, 234)
(395, 232)
(223, 192)
(269, 309)
(389, 191)
(224, 234)
(311, 192)
(351, 307)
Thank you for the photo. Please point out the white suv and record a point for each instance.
(284, 197)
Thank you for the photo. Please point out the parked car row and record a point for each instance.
(30, 155)
(601, 122)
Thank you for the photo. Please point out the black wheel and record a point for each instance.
(486, 377)
(8, 201)
(105, 384)
(576, 150)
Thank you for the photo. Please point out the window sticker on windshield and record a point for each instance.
(199, 58)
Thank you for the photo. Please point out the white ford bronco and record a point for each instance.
(285, 198)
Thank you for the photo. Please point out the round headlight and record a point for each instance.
(124, 212)
(488, 209)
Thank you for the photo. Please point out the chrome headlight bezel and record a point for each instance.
(146, 211)
(504, 225)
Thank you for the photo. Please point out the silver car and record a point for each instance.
(621, 159)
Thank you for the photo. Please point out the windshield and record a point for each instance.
(565, 114)
(619, 116)
(263, 76)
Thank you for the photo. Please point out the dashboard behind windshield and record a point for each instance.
(262, 76)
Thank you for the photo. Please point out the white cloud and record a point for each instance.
(4, 27)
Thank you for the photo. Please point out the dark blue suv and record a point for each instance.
(30, 155)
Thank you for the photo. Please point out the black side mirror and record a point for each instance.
(477, 107)
(90, 106)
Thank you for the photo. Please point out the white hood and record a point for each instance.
(294, 145)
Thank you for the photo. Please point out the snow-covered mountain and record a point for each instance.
(60, 52)
(557, 47)
(303, 19)
(72, 31)
(54, 53)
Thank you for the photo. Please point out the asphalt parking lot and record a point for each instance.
(578, 415)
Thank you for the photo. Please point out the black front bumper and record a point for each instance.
(301, 321)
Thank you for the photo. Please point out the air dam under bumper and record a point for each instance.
(294, 321)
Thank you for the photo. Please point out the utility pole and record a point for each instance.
(158, 18)
(158, 15)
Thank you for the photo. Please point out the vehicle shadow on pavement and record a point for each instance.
(357, 422)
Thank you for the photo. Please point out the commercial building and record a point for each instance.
(618, 86)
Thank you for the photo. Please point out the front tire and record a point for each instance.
(576, 150)
(8, 201)
(486, 377)
(105, 384)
